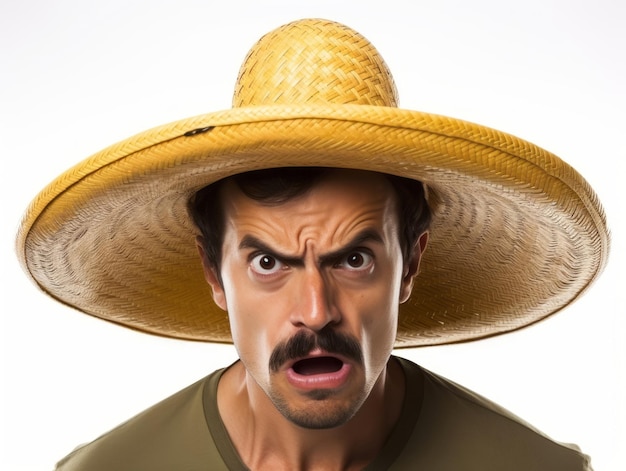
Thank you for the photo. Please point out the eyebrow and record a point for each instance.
(367, 235)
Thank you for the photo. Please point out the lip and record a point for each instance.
(326, 380)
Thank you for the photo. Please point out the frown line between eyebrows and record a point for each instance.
(368, 235)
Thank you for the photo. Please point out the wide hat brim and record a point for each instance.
(517, 235)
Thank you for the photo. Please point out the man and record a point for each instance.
(312, 201)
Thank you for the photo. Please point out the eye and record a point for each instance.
(357, 261)
(265, 264)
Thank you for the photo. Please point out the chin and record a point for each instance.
(320, 410)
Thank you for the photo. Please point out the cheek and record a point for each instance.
(242, 317)
(383, 295)
(381, 324)
(251, 344)
(380, 307)
(252, 324)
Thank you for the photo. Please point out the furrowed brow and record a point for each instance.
(368, 235)
(251, 242)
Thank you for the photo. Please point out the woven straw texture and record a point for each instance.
(517, 235)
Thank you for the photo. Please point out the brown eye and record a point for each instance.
(355, 260)
(265, 264)
(359, 261)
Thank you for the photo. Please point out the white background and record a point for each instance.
(77, 76)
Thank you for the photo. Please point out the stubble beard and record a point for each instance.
(323, 410)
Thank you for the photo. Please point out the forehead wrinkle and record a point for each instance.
(313, 221)
(317, 238)
(327, 224)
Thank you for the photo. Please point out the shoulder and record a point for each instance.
(172, 434)
(459, 429)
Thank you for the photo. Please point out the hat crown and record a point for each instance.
(314, 62)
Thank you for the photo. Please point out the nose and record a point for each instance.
(314, 307)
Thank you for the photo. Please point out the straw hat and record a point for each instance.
(517, 235)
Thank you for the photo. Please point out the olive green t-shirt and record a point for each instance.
(450, 429)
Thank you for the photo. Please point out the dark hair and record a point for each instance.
(278, 185)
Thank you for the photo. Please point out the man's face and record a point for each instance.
(312, 288)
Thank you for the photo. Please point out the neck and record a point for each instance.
(265, 439)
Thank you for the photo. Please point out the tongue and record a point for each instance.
(318, 365)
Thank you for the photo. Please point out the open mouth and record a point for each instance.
(316, 373)
(317, 365)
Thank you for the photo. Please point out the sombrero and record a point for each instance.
(517, 233)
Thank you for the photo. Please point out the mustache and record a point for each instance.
(304, 342)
